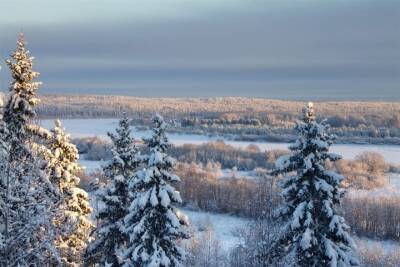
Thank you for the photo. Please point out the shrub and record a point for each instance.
(373, 216)
(248, 197)
(94, 148)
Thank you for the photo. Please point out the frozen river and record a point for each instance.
(100, 127)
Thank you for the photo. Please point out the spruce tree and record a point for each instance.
(25, 208)
(71, 218)
(313, 232)
(154, 224)
(109, 239)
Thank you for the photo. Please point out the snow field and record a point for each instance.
(225, 227)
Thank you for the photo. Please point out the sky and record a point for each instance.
(289, 49)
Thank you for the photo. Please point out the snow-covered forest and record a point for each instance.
(158, 202)
(239, 118)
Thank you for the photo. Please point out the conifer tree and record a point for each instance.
(313, 233)
(71, 218)
(19, 111)
(109, 239)
(153, 224)
(25, 207)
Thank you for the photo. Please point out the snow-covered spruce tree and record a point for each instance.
(19, 111)
(73, 208)
(109, 239)
(313, 233)
(153, 224)
(25, 207)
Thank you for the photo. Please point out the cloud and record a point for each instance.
(220, 48)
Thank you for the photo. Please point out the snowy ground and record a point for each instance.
(99, 127)
(91, 166)
(386, 245)
(394, 179)
(225, 227)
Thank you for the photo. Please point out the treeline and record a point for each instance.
(366, 171)
(238, 118)
(220, 109)
(362, 134)
(287, 119)
(203, 189)
(227, 156)
(373, 216)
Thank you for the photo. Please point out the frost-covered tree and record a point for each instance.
(154, 224)
(71, 217)
(4, 189)
(19, 111)
(109, 239)
(313, 233)
(25, 208)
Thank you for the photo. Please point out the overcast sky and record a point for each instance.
(263, 48)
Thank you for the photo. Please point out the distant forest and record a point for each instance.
(251, 119)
